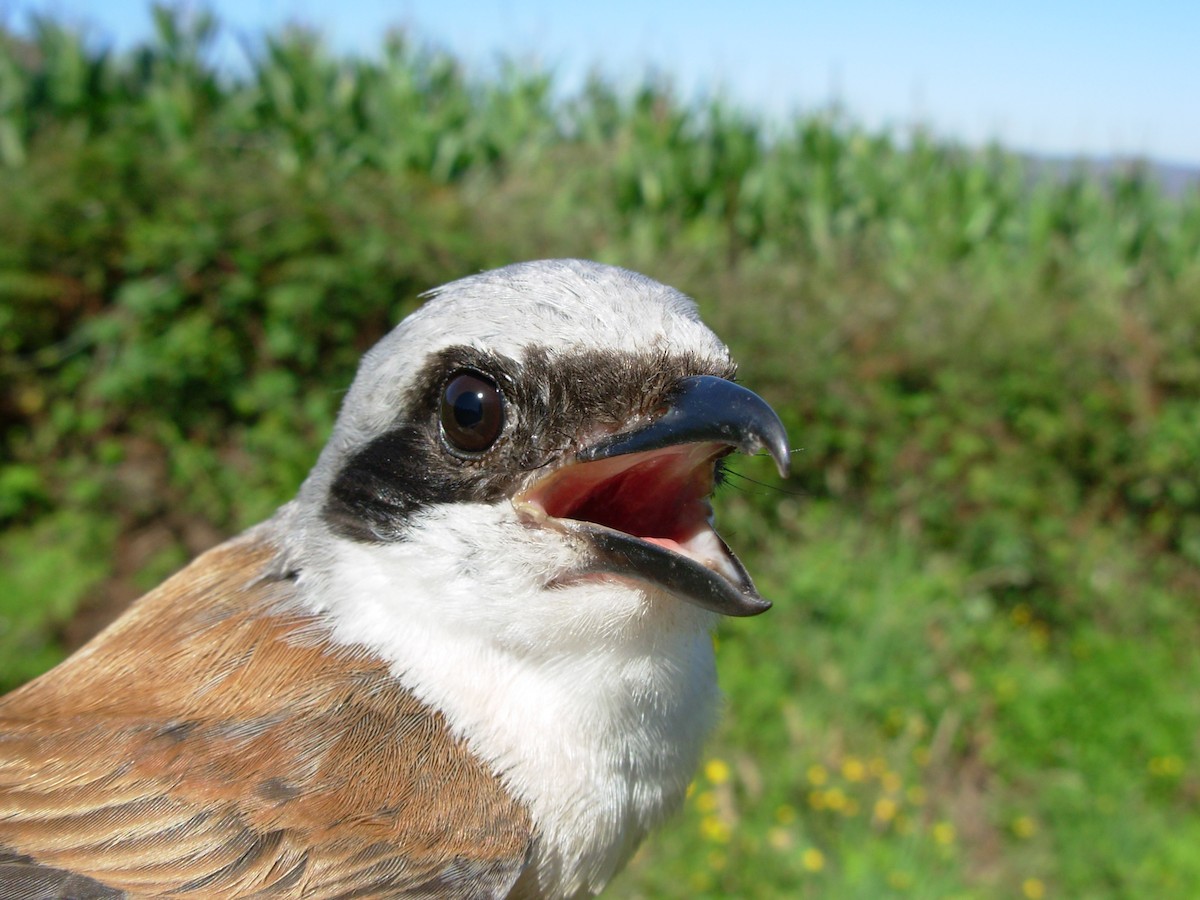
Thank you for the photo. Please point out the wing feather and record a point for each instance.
(212, 743)
(24, 879)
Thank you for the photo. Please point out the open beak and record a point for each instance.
(639, 499)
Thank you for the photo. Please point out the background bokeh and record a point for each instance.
(980, 675)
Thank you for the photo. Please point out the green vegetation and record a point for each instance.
(981, 675)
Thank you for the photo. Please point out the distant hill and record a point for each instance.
(1176, 179)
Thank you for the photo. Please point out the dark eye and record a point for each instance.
(472, 412)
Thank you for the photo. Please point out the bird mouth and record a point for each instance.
(638, 501)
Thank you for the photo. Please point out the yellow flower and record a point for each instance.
(714, 830)
(885, 809)
(813, 859)
(891, 782)
(716, 771)
(943, 833)
(853, 769)
(817, 775)
(1024, 827)
(706, 801)
(1033, 888)
(785, 814)
(1166, 766)
(835, 799)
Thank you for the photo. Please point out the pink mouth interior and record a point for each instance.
(659, 496)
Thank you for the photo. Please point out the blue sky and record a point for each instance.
(1069, 78)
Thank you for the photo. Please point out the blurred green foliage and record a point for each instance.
(980, 675)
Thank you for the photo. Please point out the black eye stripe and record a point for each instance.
(545, 401)
(471, 412)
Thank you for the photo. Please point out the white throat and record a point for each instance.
(591, 701)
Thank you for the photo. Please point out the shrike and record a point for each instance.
(470, 659)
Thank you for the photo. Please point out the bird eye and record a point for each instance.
(472, 412)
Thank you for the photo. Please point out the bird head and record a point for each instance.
(537, 445)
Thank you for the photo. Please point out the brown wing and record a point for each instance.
(211, 743)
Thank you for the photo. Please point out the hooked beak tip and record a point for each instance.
(705, 408)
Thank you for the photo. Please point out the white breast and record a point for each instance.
(591, 701)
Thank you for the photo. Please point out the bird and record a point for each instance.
(473, 656)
